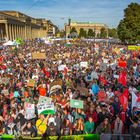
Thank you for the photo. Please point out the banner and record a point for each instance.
(29, 111)
(46, 108)
(134, 48)
(76, 104)
(38, 55)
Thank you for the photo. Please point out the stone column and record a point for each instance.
(21, 31)
(7, 32)
(12, 32)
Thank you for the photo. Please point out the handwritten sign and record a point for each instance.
(29, 111)
(46, 108)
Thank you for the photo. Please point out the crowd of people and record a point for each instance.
(106, 83)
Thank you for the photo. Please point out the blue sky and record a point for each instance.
(109, 12)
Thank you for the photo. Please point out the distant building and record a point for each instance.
(85, 25)
(14, 24)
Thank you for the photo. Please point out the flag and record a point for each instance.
(46, 72)
(122, 78)
(122, 63)
(103, 80)
(124, 99)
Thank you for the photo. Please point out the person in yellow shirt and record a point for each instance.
(41, 124)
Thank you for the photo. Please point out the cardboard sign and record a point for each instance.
(29, 111)
(84, 64)
(46, 108)
(38, 55)
(31, 83)
(76, 104)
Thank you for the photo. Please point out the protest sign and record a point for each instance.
(46, 108)
(31, 83)
(29, 111)
(38, 55)
(61, 67)
(76, 104)
(84, 64)
(43, 99)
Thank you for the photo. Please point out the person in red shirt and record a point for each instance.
(42, 90)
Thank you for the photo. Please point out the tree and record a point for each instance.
(73, 30)
(90, 33)
(98, 35)
(103, 33)
(62, 33)
(82, 33)
(129, 26)
(113, 33)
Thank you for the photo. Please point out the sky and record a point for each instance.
(109, 12)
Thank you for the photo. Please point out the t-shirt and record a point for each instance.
(42, 91)
(88, 127)
(41, 127)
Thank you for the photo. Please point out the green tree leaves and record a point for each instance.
(129, 27)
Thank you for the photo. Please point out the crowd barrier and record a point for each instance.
(71, 137)
(119, 137)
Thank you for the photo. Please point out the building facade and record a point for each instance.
(14, 25)
(85, 25)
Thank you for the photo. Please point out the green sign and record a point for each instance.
(76, 104)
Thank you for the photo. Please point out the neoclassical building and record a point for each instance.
(85, 25)
(14, 24)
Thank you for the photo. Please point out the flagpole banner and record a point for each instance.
(76, 104)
